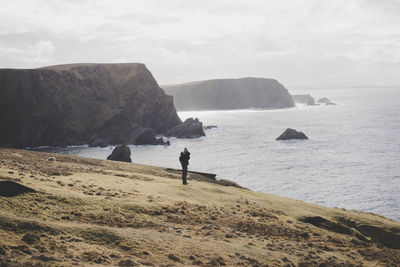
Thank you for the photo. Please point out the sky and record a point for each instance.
(315, 43)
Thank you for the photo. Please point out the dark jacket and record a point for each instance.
(184, 158)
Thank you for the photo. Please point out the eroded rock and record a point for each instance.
(325, 101)
(190, 128)
(121, 153)
(304, 99)
(289, 134)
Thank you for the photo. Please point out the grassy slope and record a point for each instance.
(90, 212)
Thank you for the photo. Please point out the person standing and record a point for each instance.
(184, 159)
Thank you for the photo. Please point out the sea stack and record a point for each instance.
(223, 94)
(97, 104)
(325, 101)
(121, 153)
(289, 134)
(190, 128)
(304, 99)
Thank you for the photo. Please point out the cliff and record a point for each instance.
(87, 212)
(230, 94)
(82, 103)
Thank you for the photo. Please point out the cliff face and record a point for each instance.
(81, 103)
(230, 94)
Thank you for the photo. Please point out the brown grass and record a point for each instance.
(96, 212)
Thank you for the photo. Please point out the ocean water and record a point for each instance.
(351, 160)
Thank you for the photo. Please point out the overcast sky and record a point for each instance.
(299, 42)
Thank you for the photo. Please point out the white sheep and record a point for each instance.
(51, 159)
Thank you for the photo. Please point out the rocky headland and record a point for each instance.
(96, 104)
(75, 211)
(223, 94)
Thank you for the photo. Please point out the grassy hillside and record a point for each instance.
(97, 212)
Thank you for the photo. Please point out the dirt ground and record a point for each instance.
(95, 212)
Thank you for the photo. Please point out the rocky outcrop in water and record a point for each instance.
(190, 128)
(222, 94)
(96, 104)
(289, 134)
(121, 153)
(304, 99)
(209, 127)
(325, 101)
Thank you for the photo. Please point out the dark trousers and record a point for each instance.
(184, 173)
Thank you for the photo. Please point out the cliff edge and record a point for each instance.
(82, 103)
(222, 94)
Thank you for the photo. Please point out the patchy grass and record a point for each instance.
(95, 212)
(97, 235)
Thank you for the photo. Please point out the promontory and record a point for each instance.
(223, 94)
(97, 104)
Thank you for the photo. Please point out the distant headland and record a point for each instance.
(223, 94)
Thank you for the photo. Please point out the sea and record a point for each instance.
(351, 159)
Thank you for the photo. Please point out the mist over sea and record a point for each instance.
(351, 161)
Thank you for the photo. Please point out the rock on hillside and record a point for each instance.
(230, 94)
(81, 103)
(11, 189)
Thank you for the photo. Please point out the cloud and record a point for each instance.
(26, 53)
(309, 42)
